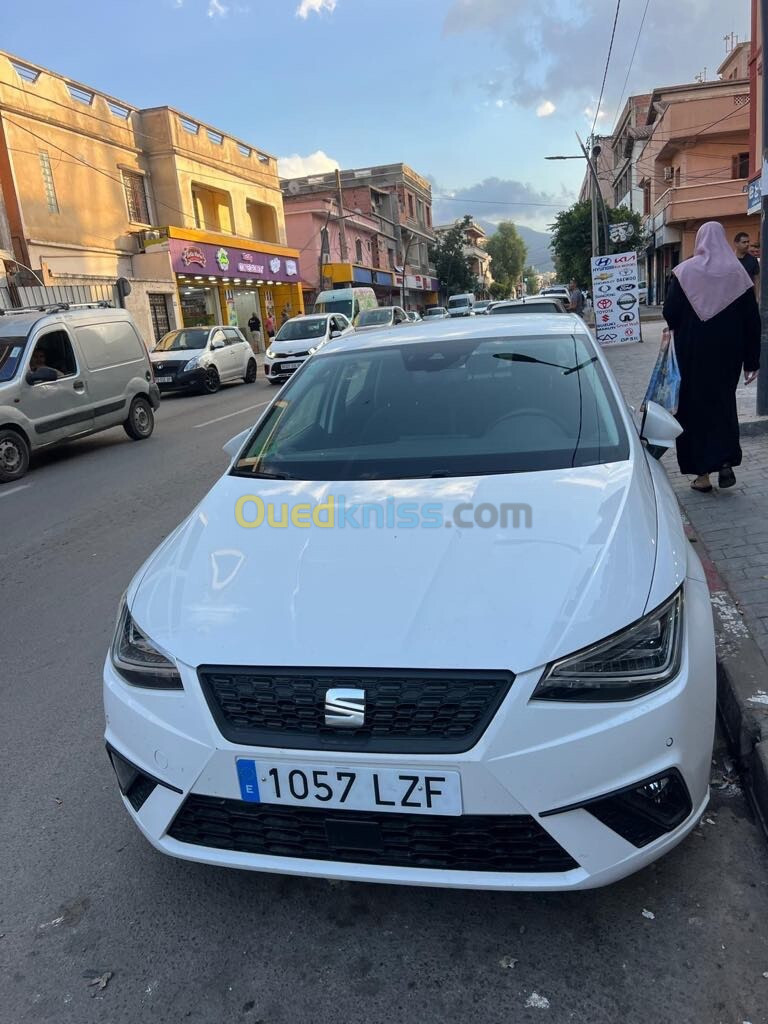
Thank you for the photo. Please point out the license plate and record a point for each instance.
(290, 366)
(164, 380)
(397, 790)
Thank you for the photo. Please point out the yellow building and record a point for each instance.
(93, 190)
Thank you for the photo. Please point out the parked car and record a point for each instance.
(435, 313)
(202, 359)
(350, 302)
(558, 291)
(413, 316)
(66, 372)
(382, 317)
(481, 307)
(461, 305)
(534, 304)
(298, 339)
(418, 707)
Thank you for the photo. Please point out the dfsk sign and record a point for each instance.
(617, 312)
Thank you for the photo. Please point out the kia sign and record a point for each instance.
(614, 280)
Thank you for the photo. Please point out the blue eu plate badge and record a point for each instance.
(249, 783)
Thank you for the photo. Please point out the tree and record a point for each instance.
(531, 278)
(451, 265)
(572, 239)
(508, 253)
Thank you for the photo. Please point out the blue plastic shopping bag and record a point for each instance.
(664, 385)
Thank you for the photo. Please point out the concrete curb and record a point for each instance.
(742, 684)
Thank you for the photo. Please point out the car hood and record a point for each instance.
(374, 327)
(217, 592)
(176, 356)
(289, 348)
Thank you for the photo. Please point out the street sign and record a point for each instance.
(621, 232)
(617, 316)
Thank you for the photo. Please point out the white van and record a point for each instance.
(67, 372)
(461, 305)
(348, 301)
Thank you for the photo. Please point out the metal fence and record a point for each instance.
(39, 295)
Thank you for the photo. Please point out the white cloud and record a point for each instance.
(545, 109)
(296, 166)
(499, 104)
(216, 9)
(307, 7)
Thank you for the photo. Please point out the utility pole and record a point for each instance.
(762, 377)
(342, 228)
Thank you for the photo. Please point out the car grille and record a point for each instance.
(406, 711)
(170, 369)
(466, 843)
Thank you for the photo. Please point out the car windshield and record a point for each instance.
(190, 337)
(336, 306)
(375, 316)
(298, 330)
(527, 307)
(451, 407)
(457, 303)
(11, 353)
(437, 311)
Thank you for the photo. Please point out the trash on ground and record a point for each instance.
(537, 1001)
(649, 914)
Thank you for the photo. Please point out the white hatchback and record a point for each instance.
(298, 339)
(489, 657)
(202, 358)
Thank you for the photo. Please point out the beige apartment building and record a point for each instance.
(475, 239)
(93, 190)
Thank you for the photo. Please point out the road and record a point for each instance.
(84, 894)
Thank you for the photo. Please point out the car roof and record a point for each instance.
(12, 324)
(529, 300)
(311, 316)
(542, 325)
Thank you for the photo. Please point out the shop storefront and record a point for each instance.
(420, 291)
(352, 275)
(224, 280)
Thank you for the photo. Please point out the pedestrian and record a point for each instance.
(712, 309)
(254, 326)
(269, 324)
(285, 315)
(742, 246)
(576, 299)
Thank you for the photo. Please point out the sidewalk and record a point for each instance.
(730, 530)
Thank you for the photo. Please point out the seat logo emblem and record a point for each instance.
(345, 709)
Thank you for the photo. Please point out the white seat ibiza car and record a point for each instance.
(488, 655)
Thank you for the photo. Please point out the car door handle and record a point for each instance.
(79, 385)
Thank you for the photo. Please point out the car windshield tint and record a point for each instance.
(298, 330)
(458, 407)
(337, 306)
(193, 337)
(457, 303)
(11, 352)
(375, 316)
(435, 312)
(527, 307)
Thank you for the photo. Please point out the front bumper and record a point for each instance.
(184, 380)
(532, 759)
(273, 368)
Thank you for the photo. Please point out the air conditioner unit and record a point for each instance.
(669, 173)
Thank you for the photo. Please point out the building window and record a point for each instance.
(410, 205)
(158, 310)
(48, 183)
(136, 197)
(677, 177)
(646, 199)
(740, 166)
(358, 251)
(429, 216)
(263, 221)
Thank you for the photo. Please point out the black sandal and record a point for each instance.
(726, 477)
(701, 490)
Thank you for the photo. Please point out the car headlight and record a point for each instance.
(271, 354)
(137, 660)
(191, 364)
(629, 664)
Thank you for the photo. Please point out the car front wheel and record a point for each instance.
(14, 456)
(211, 381)
(251, 371)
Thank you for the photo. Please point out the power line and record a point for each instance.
(607, 62)
(632, 60)
(495, 202)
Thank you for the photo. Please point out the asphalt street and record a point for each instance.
(84, 897)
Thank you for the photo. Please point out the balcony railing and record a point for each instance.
(707, 200)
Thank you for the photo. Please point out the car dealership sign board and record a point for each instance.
(616, 298)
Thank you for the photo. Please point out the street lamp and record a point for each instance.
(595, 194)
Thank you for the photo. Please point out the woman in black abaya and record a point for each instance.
(712, 310)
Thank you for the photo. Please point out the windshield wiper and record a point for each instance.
(520, 357)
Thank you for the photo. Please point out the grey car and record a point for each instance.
(66, 372)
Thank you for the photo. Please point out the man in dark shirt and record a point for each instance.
(577, 299)
(746, 259)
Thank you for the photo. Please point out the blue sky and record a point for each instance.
(472, 93)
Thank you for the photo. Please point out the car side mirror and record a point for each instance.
(43, 375)
(234, 444)
(217, 344)
(335, 334)
(659, 429)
